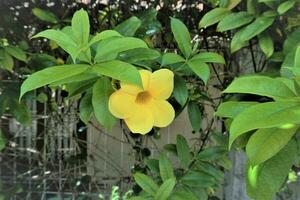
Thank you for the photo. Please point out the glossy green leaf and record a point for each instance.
(146, 183)
(234, 20)
(16, 52)
(180, 91)
(209, 57)
(260, 85)
(213, 16)
(7, 61)
(165, 168)
(20, 112)
(138, 54)
(182, 36)
(297, 57)
(171, 58)
(184, 193)
(231, 109)
(265, 115)
(264, 180)
(2, 141)
(86, 107)
(165, 189)
(63, 40)
(266, 44)
(232, 4)
(45, 15)
(81, 27)
(119, 70)
(183, 151)
(259, 25)
(292, 41)
(104, 35)
(129, 26)
(195, 116)
(285, 6)
(212, 153)
(110, 50)
(265, 143)
(51, 75)
(102, 90)
(201, 69)
(198, 179)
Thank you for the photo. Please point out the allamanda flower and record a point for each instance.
(144, 108)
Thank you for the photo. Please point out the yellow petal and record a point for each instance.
(134, 89)
(161, 84)
(145, 75)
(141, 121)
(163, 113)
(121, 104)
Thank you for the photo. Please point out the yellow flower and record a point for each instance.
(144, 108)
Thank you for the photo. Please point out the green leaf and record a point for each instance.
(171, 58)
(153, 165)
(285, 6)
(265, 143)
(266, 44)
(165, 168)
(63, 40)
(234, 20)
(102, 90)
(120, 71)
(194, 115)
(182, 36)
(231, 109)
(265, 115)
(198, 179)
(16, 52)
(259, 25)
(51, 75)
(110, 49)
(209, 57)
(210, 169)
(86, 107)
(146, 183)
(2, 141)
(292, 41)
(20, 112)
(260, 85)
(183, 151)
(45, 15)
(165, 189)
(7, 61)
(264, 180)
(212, 153)
(184, 193)
(129, 26)
(297, 57)
(180, 91)
(81, 27)
(201, 69)
(236, 42)
(213, 16)
(232, 4)
(139, 54)
(104, 35)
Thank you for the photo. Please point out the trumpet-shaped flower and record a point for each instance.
(143, 108)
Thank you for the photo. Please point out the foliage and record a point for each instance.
(261, 110)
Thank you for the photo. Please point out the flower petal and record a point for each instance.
(161, 84)
(163, 113)
(121, 104)
(141, 121)
(134, 89)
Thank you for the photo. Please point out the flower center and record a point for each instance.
(143, 97)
